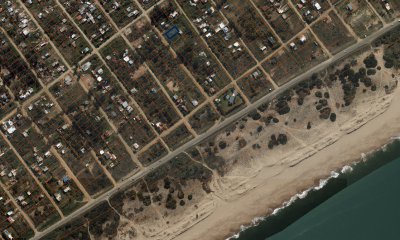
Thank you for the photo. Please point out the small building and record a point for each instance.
(349, 7)
(8, 235)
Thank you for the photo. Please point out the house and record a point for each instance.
(349, 7)
(58, 197)
(317, 6)
(8, 235)
(303, 39)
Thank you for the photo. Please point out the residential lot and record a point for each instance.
(24, 189)
(360, 16)
(12, 221)
(304, 52)
(166, 68)
(90, 19)
(331, 31)
(204, 118)
(255, 33)
(255, 85)
(146, 4)
(29, 39)
(15, 73)
(90, 125)
(108, 94)
(6, 100)
(220, 36)
(282, 66)
(388, 9)
(128, 67)
(121, 11)
(310, 10)
(61, 31)
(152, 154)
(229, 102)
(282, 18)
(190, 49)
(35, 151)
(179, 136)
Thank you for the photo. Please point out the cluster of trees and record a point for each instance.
(370, 61)
(276, 141)
(304, 88)
(351, 80)
(391, 48)
(282, 106)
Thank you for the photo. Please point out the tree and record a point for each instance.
(282, 139)
(222, 144)
(325, 113)
(370, 61)
(371, 71)
(332, 117)
(171, 202)
(242, 143)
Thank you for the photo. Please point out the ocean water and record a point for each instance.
(362, 202)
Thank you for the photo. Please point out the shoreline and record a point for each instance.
(230, 218)
(322, 183)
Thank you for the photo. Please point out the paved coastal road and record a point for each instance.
(127, 182)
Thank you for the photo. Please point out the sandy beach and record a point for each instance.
(277, 183)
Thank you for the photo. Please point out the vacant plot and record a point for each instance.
(204, 118)
(179, 136)
(359, 15)
(152, 154)
(331, 31)
(282, 67)
(255, 85)
(282, 18)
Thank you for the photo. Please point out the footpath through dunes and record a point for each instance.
(308, 156)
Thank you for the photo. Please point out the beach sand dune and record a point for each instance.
(269, 177)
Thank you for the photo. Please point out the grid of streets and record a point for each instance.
(96, 92)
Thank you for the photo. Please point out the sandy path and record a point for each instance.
(228, 216)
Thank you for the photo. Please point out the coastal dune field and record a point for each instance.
(258, 181)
